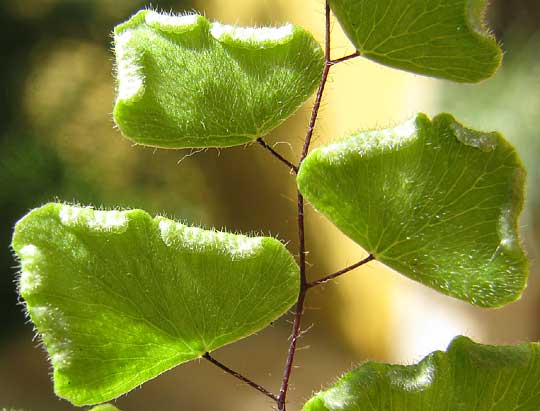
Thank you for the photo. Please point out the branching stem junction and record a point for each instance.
(281, 398)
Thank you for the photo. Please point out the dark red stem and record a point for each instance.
(341, 272)
(281, 403)
(235, 374)
(304, 284)
(278, 156)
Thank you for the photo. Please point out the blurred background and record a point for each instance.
(58, 142)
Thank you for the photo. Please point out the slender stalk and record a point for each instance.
(281, 403)
(304, 284)
(328, 64)
(282, 398)
(235, 374)
(277, 155)
(345, 58)
(340, 272)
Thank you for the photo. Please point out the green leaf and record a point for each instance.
(446, 39)
(435, 201)
(119, 297)
(468, 377)
(185, 82)
(105, 407)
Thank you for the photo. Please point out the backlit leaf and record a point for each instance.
(105, 407)
(119, 297)
(185, 82)
(468, 377)
(434, 200)
(446, 39)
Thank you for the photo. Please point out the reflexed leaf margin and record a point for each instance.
(434, 200)
(119, 297)
(446, 39)
(184, 82)
(469, 376)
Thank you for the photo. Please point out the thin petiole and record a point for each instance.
(345, 58)
(278, 156)
(326, 71)
(246, 380)
(340, 272)
(282, 398)
(299, 311)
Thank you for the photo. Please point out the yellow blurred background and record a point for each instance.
(57, 141)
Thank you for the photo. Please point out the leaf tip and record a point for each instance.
(134, 21)
(476, 21)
